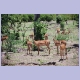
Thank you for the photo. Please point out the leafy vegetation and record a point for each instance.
(62, 37)
(62, 25)
(40, 30)
(14, 22)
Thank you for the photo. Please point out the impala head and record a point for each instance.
(6, 37)
(46, 36)
(58, 29)
(31, 35)
(63, 42)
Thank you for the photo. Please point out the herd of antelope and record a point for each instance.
(61, 45)
(46, 42)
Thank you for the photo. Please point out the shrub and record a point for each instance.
(62, 37)
(12, 37)
(54, 17)
(25, 18)
(25, 43)
(62, 25)
(46, 17)
(40, 30)
(59, 19)
(16, 36)
(49, 17)
(30, 17)
(10, 43)
(42, 17)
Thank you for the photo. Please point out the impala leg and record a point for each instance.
(48, 49)
(38, 50)
(57, 49)
(66, 53)
(31, 49)
(61, 53)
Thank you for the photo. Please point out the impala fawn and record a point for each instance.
(63, 49)
(46, 36)
(29, 44)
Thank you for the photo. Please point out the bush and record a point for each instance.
(25, 43)
(17, 36)
(59, 19)
(42, 17)
(9, 45)
(49, 17)
(25, 18)
(46, 17)
(4, 29)
(40, 30)
(54, 17)
(12, 37)
(30, 17)
(62, 37)
(77, 17)
(62, 25)
(10, 42)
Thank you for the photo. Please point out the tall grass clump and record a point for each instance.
(62, 37)
(62, 25)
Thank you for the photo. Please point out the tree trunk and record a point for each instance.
(35, 19)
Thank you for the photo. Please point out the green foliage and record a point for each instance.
(23, 33)
(62, 25)
(76, 17)
(17, 36)
(10, 42)
(30, 17)
(25, 43)
(25, 18)
(62, 37)
(59, 19)
(49, 17)
(46, 17)
(42, 17)
(54, 17)
(4, 29)
(4, 19)
(40, 30)
(9, 45)
(12, 36)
